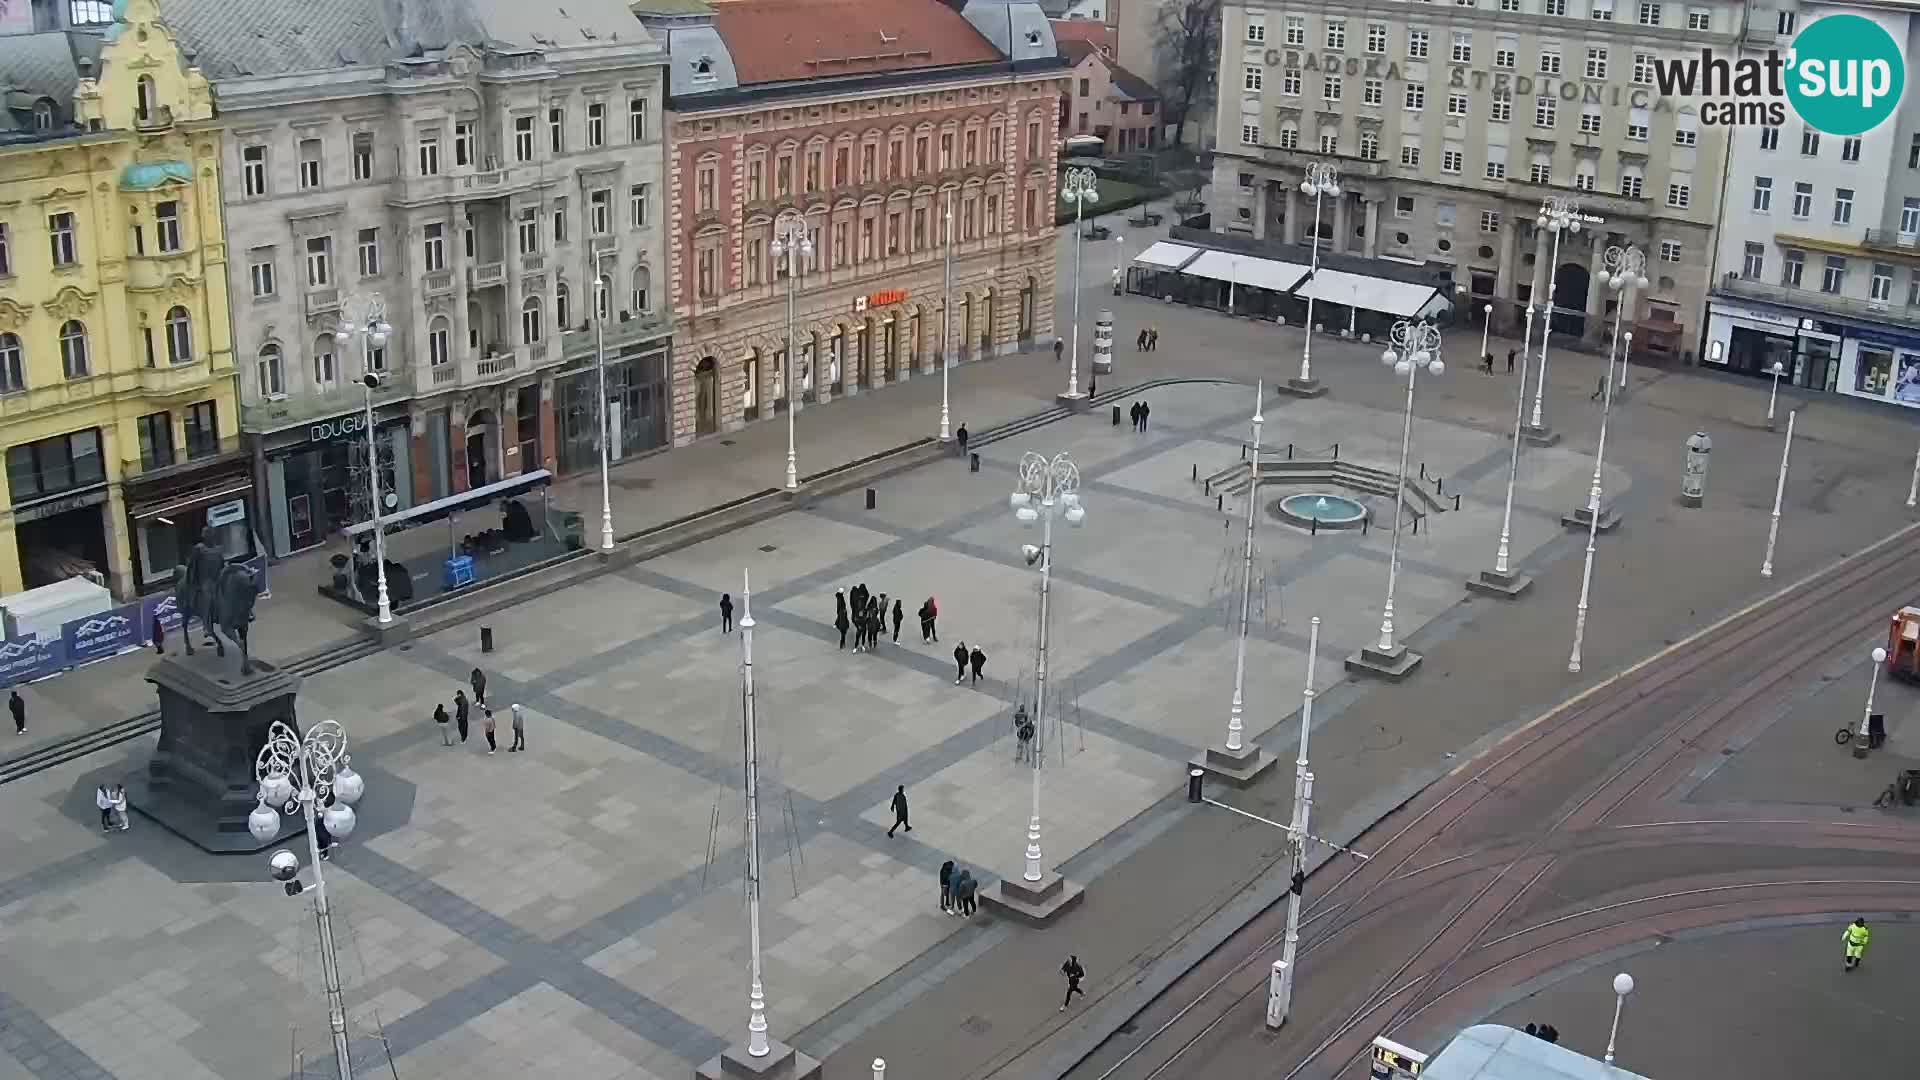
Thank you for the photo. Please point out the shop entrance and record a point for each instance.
(1570, 284)
(62, 545)
(482, 431)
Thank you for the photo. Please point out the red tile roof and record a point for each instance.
(1087, 30)
(1076, 50)
(778, 40)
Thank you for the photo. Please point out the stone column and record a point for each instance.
(1542, 251)
(1260, 211)
(1372, 207)
(1597, 291)
(454, 238)
(1342, 230)
(1292, 224)
(1503, 281)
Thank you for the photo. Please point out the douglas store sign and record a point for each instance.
(353, 423)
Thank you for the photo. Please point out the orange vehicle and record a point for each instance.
(1903, 645)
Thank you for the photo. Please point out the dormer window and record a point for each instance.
(1033, 38)
(144, 99)
(43, 116)
(703, 69)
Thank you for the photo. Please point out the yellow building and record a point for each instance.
(117, 406)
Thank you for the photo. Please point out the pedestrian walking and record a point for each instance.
(1486, 363)
(1059, 348)
(1023, 733)
(726, 613)
(964, 885)
(519, 730)
(946, 887)
(440, 718)
(18, 707)
(1510, 353)
(478, 680)
(1093, 384)
(1856, 937)
(1074, 973)
(1599, 388)
(899, 811)
(933, 618)
(926, 620)
(159, 636)
(960, 663)
(880, 619)
(841, 623)
(486, 724)
(1140, 340)
(979, 660)
(1146, 411)
(1153, 339)
(899, 616)
(460, 711)
(961, 437)
(103, 798)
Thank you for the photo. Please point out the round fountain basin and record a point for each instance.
(1321, 510)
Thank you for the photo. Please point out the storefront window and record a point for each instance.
(1906, 388)
(1874, 371)
(51, 466)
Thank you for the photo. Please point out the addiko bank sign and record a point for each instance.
(1461, 77)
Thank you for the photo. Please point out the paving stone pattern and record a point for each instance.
(578, 910)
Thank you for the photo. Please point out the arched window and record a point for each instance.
(13, 368)
(439, 345)
(73, 349)
(271, 371)
(145, 104)
(562, 306)
(642, 291)
(530, 321)
(179, 336)
(326, 369)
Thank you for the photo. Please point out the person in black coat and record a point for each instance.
(840, 623)
(726, 613)
(961, 437)
(440, 718)
(960, 662)
(979, 660)
(478, 680)
(460, 709)
(899, 805)
(899, 616)
(18, 707)
(946, 886)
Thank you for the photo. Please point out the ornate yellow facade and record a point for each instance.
(117, 403)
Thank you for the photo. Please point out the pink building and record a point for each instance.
(1106, 100)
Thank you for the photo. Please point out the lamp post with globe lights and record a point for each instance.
(1559, 215)
(1322, 180)
(600, 304)
(946, 320)
(1414, 345)
(1077, 186)
(1622, 986)
(1502, 580)
(1776, 370)
(300, 774)
(365, 315)
(1625, 266)
(1048, 487)
(791, 242)
(1240, 761)
(1779, 493)
(1861, 743)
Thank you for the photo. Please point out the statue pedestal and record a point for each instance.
(199, 783)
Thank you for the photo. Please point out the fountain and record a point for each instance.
(1320, 510)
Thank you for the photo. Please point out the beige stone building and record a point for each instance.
(1452, 125)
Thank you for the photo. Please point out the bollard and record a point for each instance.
(1194, 778)
(1336, 451)
(871, 500)
(1366, 523)
(1116, 416)
(1219, 502)
(1196, 472)
(1437, 486)
(1243, 451)
(1456, 502)
(973, 463)
(486, 639)
(1423, 470)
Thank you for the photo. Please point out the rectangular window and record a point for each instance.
(1769, 138)
(1684, 133)
(1250, 80)
(1416, 97)
(60, 239)
(557, 129)
(1416, 44)
(51, 466)
(1583, 179)
(1642, 69)
(1763, 194)
(1337, 34)
(202, 426)
(1373, 92)
(1555, 7)
(1544, 112)
(368, 246)
(1540, 172)
(1909, 221)
(1881, 288)
(523, 138)
(1496, 170)
(596, 123)
(1505, 57)
(1679, 195)
(1456, 104)
(1590, 120)
(1296, 30)
(465, 145)
(166, 225)
(309, 164)
(319, 261)
(1549, 63)
(1602, 10)
(1369, 146)
(1250, 134)
(559, 222)
(1500, 109)
(1630, 186)
(1509, 5)
(706, 187)
(1850, 149)
(156, 440)
(1329, 142)
(1792, 265)
(1377, 38)
(1596, 63)
(1332, 88)
(637, 119)
(1489, 221)
(1463, 46)
(260, 271)
(600, 212)
(1410, 156)
(1784, 24)
(1842, 206)
(1802, 200)
(362, 156)
(429, 155)
(433, 246)
(1649, 14)
(253, 171)
(1833, 275)
(1289, 83)
(1403, 206)
(1670, 251)
(1809, 142)
(1451, 161)
(1256, 27)
(1289, 137)
(1754, 263)
(1699, 19)
(6, 251)
(1913, 153)
(638, 196)
(526, 227)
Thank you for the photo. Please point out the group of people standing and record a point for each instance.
(957, 889)
(1140, 411)
(463, 715)
(859, 609)
(1147, 340)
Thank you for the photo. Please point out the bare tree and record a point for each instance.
(1187, 53)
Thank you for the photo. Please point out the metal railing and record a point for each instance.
(1876, 310)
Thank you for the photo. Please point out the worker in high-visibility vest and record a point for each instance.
(1856, 936)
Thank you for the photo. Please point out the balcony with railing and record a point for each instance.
(486, 275)
(1884, 311)
(317, 403)
(153, 118)
(167, 379)
(1895, 240)
(319, 302)
(579, 342)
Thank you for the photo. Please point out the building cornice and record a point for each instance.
(860, 87)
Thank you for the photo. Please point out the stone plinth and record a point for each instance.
(1035, 903)
(1079, 402)
(1506, 586)
(1237, 767)
(1583, 518)
(1393, 666)
(1539, 436)
(782, 1062)
(1303, 387)
(199, 782)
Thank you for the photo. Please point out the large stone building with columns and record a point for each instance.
(473, 165)
(1451, 126)
(868, 121)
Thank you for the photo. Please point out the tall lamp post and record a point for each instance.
(1558, 216)
(1862, 741)
(1239, 761)
(1773, 395)
(1913, 486)
(1415, 345)
(1779, 494)
(365, 315)
(756, 995)
(791, 242)
(1077, 186)
(1048, 488)
(1627, 268)
(1622, 986)
(1322, 180)
(1502, 580)
(600, 304)
(946, 321)
(1486, 328)
(301, 774)
(1282, 1005)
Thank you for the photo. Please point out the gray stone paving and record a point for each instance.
(584, 900)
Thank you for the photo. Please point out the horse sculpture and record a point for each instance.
(234, 596)
(195, 586)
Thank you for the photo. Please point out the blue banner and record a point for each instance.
(105, 633)
(27, 658)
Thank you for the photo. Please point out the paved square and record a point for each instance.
(578, 908)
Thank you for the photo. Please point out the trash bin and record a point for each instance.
(1116, 416)
(1876, 730)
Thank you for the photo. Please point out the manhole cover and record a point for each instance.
(727, 442)
(975, 1025)
(769, 547)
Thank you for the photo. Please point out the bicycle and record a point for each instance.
(1887, 797)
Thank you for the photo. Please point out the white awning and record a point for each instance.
(471, 499)
(1247, 270)
(1165, 256)
(1398, 298)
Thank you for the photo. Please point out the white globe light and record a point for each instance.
(1573, 225)
(1389, 358)
(1333, 190)
(1623, 984)
(378, 339)
(1640, 282)
(1437, 368)
(1070, 498)
(348, 786)
(382, 327)
(1027, 514)
(341, 337)
(339, 820)
(1404, 367)
(1616, 281)
(276, 789)
(1420, 356)
(1879, 656)
(264, 823)
(1019, 499)
(1306, 187)
(1540, 222)
(1076, 514)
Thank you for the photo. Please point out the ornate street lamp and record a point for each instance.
(1322, 180)
(1077, 186)
(365, 315)
(1415, 345)
(1626, 274)
(1559, 215)
(790, 241)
